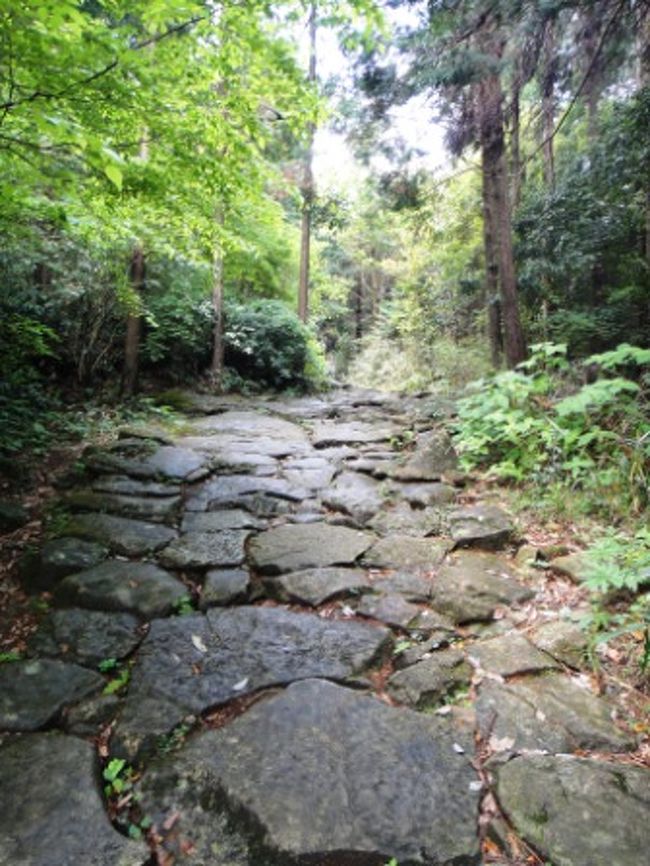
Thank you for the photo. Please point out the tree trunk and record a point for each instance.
(495, 167)
(590, 33)
(492, 304)
(307, 185)
(218, 347)
(133, 326)
(515, 141)
(549, 72)
(644, 82)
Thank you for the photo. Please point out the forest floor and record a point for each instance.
(292, 631)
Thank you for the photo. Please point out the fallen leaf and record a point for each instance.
(198, 643)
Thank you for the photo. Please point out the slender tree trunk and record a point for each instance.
(307, 185)
(133, 326)
(644, 82)
(515, 142)
(590, 21)
(218, 347)
(133, 335)
(495, 167)
(492, 303)
(549, 72)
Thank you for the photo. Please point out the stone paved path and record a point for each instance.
(324, 657)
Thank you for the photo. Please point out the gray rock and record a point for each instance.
(34, 691)
(333, 433)
(119, 534)
(390, 608)
(89, 717)
(355, 494)
(13, 515)
(405, 551)
(433, 457)
(229, 490)
(124, 485)
(189, 664)
(426, 495)
(57, 559)
(218, 521)
(316, 585)
(135, 587)
(312, 473)
(404, 520)
(548, 712)
(157, 509)
(578, 812)
(562, 639)
(483, 526)
(430, 681)
(412, 585)
(314, 545)
(327, 775)
(510, 654)
(205, 549)
(55, 814)
(251, 426)
(166, 462)
(575, 566)
(471, 586)
(86, 636)
(412, 651)
(223, 587)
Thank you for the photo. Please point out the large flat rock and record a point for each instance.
(328, 433)
(430, 681)
(578, 812)
(33, 692)
(404, 551)
(470, 586)
(298, 547)
(219, 521)
(205, 550)
(404, 520)
(322, 774)
(136, 587)
(86, 636)
(188, 664)
(167, 462)
(484, 526)
(120, 534)
(57, 559)
(157, 509)
(549, 712)
(432, 457)
(510, 654)
(54, 812)
(355, 494)
(316, 585)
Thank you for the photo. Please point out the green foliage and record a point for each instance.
(184, 606)
(618, 576)
(120, 677)
(7, 657)
(520, 427)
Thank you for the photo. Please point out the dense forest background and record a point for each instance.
(160, 218)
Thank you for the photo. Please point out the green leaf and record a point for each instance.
(114, 174)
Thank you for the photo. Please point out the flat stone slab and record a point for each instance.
(575, 566)
(411, 584)
(433, 457)
(86, 637)
(404, 551)
(483, 526)
(218, 521)
(430, 681)
(206, 550)
(250, 425)
(165, 462)
(57, 559)
(313, 473)
(327, 433)
(124, 485)
(136, 587)
(578, 812)
(391, 608)
(223, 587)
(421, 495)
(364, 782)
(316, 585)
(189, 664)
(119, 534)
(33, 692)
(355, 494)
(562, 639)
(472, 585)
(157, 509)
(404, 520)
(510, 654)
(229, 490)
(548, 712)
(315, 545)
(56, 813)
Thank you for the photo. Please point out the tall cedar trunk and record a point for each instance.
(218, 347)
(134, 317)
(494, 165)
(549, 72)
(515, 145)
(644, 82)
(307, 185)
(133, 326)
(590, 23)
(492, 303)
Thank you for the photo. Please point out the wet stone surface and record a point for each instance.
(356, 631)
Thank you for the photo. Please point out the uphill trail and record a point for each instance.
(287, 636)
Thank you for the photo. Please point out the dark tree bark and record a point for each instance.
(307, 185)
(492, 302)
(549, 73)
